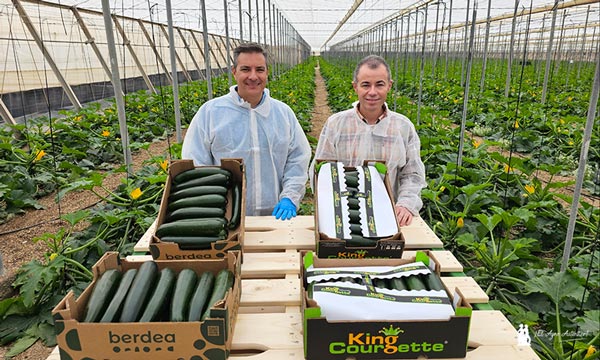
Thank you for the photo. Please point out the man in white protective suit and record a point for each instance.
(247, 123)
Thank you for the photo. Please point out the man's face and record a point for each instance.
(251, 76)
(372, 87)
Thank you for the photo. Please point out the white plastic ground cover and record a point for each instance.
(332, 203)
(343, 300)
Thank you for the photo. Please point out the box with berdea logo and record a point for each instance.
(376, 309)
(202, 211)
(162, 338)
(354, 212)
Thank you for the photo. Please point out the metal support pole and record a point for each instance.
(174, 75)
(549, 53)
(116, 82)
(227, 44)
(207, 66)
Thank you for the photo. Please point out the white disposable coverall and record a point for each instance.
(268, 138)
(347, 138)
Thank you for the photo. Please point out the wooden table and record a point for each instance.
(269, 324)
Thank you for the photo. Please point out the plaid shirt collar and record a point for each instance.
(383, 114)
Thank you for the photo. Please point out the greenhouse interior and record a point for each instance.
(97, 213)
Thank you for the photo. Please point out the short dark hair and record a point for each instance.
(373, 62)
(250, 47)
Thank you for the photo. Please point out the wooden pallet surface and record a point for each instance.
(265, 233)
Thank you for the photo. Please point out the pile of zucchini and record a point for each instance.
(196, 208)
(428, 281)
(356, 236)
(147, 294)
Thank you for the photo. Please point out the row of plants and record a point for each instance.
(506, 225)
(123, 214)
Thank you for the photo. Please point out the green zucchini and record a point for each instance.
(351, 173)
(353, 203)
(380, 283)
(223, 282)
(199, 172)
(160, 296)
(193, 242)
(184, 288)
(351, 181)
(139, 292)
(398, 284)
(192, 227)
(209, 200)
(103, 291)
(195, 213)
(201, 295)
(215, 179)
(116, 304)
(358, 240)
(197, 191)
(354, 216)
(355, 229)
(414, 282)
(433, 282)
(236, 206)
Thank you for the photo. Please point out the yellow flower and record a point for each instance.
(570, 98)
(530, 189)
(442, 188)
(53, 256)
(460, 222)
(571, 142)
(39, 155)
(106, 133)
(164, 165)
(590, 351)
(508, 169)
(456, 101)
(516, 124)
(135, 194)
(561, 121)
(78, 118)
(476, 143)
(195, 94)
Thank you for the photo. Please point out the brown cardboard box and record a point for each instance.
(327, 247)
(381, 339)
(208, 339)
(171, 251)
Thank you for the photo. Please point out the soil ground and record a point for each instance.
(17, 247)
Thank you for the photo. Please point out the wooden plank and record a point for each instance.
(268, 331)
(143, 245)
(447, 261)
(469, 288)
(279, 239)
(418, 235)
(270, 265)
(270, 292)
(491, 327)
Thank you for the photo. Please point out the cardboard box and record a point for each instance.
(389, 339)
(208, 339)
(328, 247)
(171, 251)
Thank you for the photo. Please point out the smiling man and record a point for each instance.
(371, 131)
(247, 123)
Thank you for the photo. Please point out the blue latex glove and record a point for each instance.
(284, 210)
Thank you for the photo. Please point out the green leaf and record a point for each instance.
(75, 217)
(590, 322)
(557, 286)
(21, 345)
(489, 222)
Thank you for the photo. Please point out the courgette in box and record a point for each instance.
(197, 191)
(433, 282)
(358, 240)
(398, 284)
(195, 212)
(414, 282)
(201, 295)
(236, 206)
(192, 227)
(223, 282)
(209, 200)
(103, 291)
(159, 299)
(184, 288)
(215, 179)
(199, 172)
(113, 310)
(139, 292)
